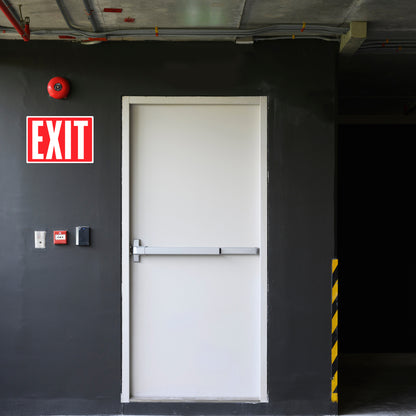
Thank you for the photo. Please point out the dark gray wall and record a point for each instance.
(60, 308)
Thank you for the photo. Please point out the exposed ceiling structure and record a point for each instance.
(390, 27)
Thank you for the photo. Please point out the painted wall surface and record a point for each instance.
(60, 308)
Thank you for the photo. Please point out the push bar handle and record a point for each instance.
(138, 250)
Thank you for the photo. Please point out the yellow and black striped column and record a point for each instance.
(334, 351)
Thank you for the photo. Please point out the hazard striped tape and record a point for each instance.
(334, 351)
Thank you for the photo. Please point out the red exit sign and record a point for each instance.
(60, 139)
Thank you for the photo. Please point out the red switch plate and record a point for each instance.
(60, 237)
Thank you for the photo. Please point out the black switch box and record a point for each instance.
(82, 236)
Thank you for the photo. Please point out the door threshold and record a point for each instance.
(194, 400)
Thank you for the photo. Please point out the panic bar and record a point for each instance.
(138, 250)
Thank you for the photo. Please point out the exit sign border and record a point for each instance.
(63, 160)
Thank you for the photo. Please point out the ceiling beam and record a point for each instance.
(243, 8)
(354, 38)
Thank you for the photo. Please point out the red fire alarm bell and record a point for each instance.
(58, 88)
(60, 237)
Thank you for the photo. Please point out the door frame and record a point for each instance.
(127, 101)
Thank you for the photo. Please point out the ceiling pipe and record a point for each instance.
(24, 32)
(67, 19)
(91, 16)
(242, 13)
(12, 10)
(313, 30)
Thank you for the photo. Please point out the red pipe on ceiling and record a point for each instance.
(24, 33)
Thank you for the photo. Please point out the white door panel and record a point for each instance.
(196, 170)
(197, 323)
(194, 338)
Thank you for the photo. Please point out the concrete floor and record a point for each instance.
(377, 384)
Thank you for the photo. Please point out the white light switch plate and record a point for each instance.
(40, 239)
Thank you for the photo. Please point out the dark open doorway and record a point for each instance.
(377, 283)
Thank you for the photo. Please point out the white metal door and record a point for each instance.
(197, 323)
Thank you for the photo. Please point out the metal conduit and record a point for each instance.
(315, 30)
(328, 39)
(11, 9)
(151, 35)
(67, 18)
(392, 43)
(91, 16)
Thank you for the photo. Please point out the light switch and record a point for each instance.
(40, 239)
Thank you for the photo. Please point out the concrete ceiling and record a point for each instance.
(391, 25)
